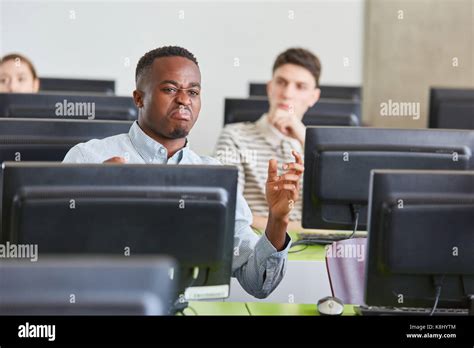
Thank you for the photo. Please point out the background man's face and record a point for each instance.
(16, 77)
(292, 89)
(169, 111)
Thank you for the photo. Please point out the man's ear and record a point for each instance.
(138, 98)
(315, 97)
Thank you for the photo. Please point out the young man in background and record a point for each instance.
(293, 89)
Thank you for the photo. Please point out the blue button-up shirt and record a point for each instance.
(257, 265)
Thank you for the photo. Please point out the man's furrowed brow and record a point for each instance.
(195, 84)
(175, 83)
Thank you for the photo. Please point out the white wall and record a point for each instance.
(412, 46)
(105, 40)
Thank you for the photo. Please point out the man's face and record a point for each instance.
(16, 77)
(170, 97)
(292, 89)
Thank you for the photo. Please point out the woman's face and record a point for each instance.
(16, 77)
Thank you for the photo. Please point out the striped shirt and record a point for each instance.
(249, 146)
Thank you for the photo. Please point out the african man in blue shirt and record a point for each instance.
(167, 95)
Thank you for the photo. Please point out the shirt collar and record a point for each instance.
(272, 135)
(151, 150)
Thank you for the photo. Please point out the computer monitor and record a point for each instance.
(341, 113)
(184, 211)
(420, 237)
(338, 161)
(327, 92)
(50, 140)
(48, 84)
(86, 285)
(451, 108)
(67, 106)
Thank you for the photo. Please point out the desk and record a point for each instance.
(255, 308)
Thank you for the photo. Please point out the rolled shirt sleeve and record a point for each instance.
(257, 264)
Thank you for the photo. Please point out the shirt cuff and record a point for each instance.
(265, 249)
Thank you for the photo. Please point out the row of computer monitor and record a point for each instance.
(345, 157)
(324, 112)
(449, 108)
(75, 85)
(353, 93)
(67, 106)
(106, 209)
(102, 107)
(409, 248)
(48, 84)
(337, 106)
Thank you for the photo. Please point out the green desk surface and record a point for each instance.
(255, 308)
(306, 252)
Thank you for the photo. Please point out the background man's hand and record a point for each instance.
(288, 124)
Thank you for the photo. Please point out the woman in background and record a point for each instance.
(17, 75)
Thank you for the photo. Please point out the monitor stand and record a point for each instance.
(178, 307)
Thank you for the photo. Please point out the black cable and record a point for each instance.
(248, 309)
(315, 241)
(178, 306)
(439, 284)
(438, 294)
(322, 241)
(305, 246)
(355, 213)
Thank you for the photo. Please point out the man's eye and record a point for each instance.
(193, 92)
(301, 87)
(169, 90)
(281, 82)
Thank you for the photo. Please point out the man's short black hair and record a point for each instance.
(145, 62)
(301, 57)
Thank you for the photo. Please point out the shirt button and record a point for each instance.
(162, 151)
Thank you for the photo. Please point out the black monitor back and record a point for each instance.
(185, 211)
(87, 285)
(48, 84)
(451, 108)
(338, 161)
(421, 227)
(67, 106)
(334, 113)
(327, 92)
(50, 140)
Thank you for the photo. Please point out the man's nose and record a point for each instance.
(288, 91)
(13, 86)
(183, 98)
